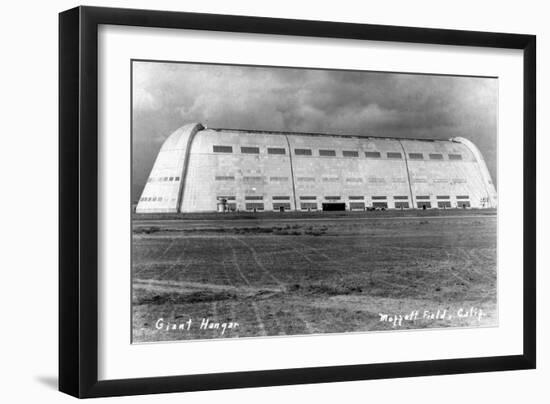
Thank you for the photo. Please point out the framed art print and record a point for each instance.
(250, 201)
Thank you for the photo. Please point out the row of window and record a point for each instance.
(332, 153)
(151, 199)
(421, 199)
(309, 206)
(163, 179)
(337, 198)
(374, 180)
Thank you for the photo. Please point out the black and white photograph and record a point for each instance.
(279, 201)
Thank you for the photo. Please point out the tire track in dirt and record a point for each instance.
(315, 251)
(449, 268)
(167, 248)
(307, 324)
(261, 325)
(236, 265)
(258, 262)
(173, 267)
(171, 285)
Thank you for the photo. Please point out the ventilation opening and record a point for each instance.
(334, 206)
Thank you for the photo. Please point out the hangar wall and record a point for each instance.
(200, 170)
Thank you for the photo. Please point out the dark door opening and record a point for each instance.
(281, 208)
(334, 206)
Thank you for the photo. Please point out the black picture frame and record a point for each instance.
(78, 200)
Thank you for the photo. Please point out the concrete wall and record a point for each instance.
(162, 192)
(189, 176)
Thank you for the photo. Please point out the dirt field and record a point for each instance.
(199, 277)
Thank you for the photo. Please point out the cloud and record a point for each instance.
(145, 101)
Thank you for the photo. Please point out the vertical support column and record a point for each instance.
(193, 131)
(291, 173)
(408, 173)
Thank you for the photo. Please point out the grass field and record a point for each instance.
(260, 275)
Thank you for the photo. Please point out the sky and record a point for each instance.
(167, 96)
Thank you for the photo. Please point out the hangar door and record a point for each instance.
(334, 206)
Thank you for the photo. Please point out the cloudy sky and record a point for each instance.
(169, 95)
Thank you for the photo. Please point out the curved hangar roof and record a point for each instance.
(197, 165)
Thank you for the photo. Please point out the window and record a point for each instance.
(302, 152)
(436, 156)
(463, 204)
(254, 206)
(380, 205)
(225, 178)
(444, 204)
(372, 154)
(357, 205)
(171, 179)
(176, 178)
(401, 205)
(223, 149)
(308, 206)
(416, 156)
(378, 197)
(424, 205)
(350, 153)
(276, 150)
(423, 197)
(394, 155)
(354, 180)
(462, 197)
(279, 205)
(355, 198)
(330, 179)
(227, 198)
(250, 150)
(306, 179)
(442, 197)
(308, 198)
(332, 198)
(327, 153)
(281, 198)
(277, 179)
(253, 198)
(401, 197)
(252, 179)
(455, 157)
